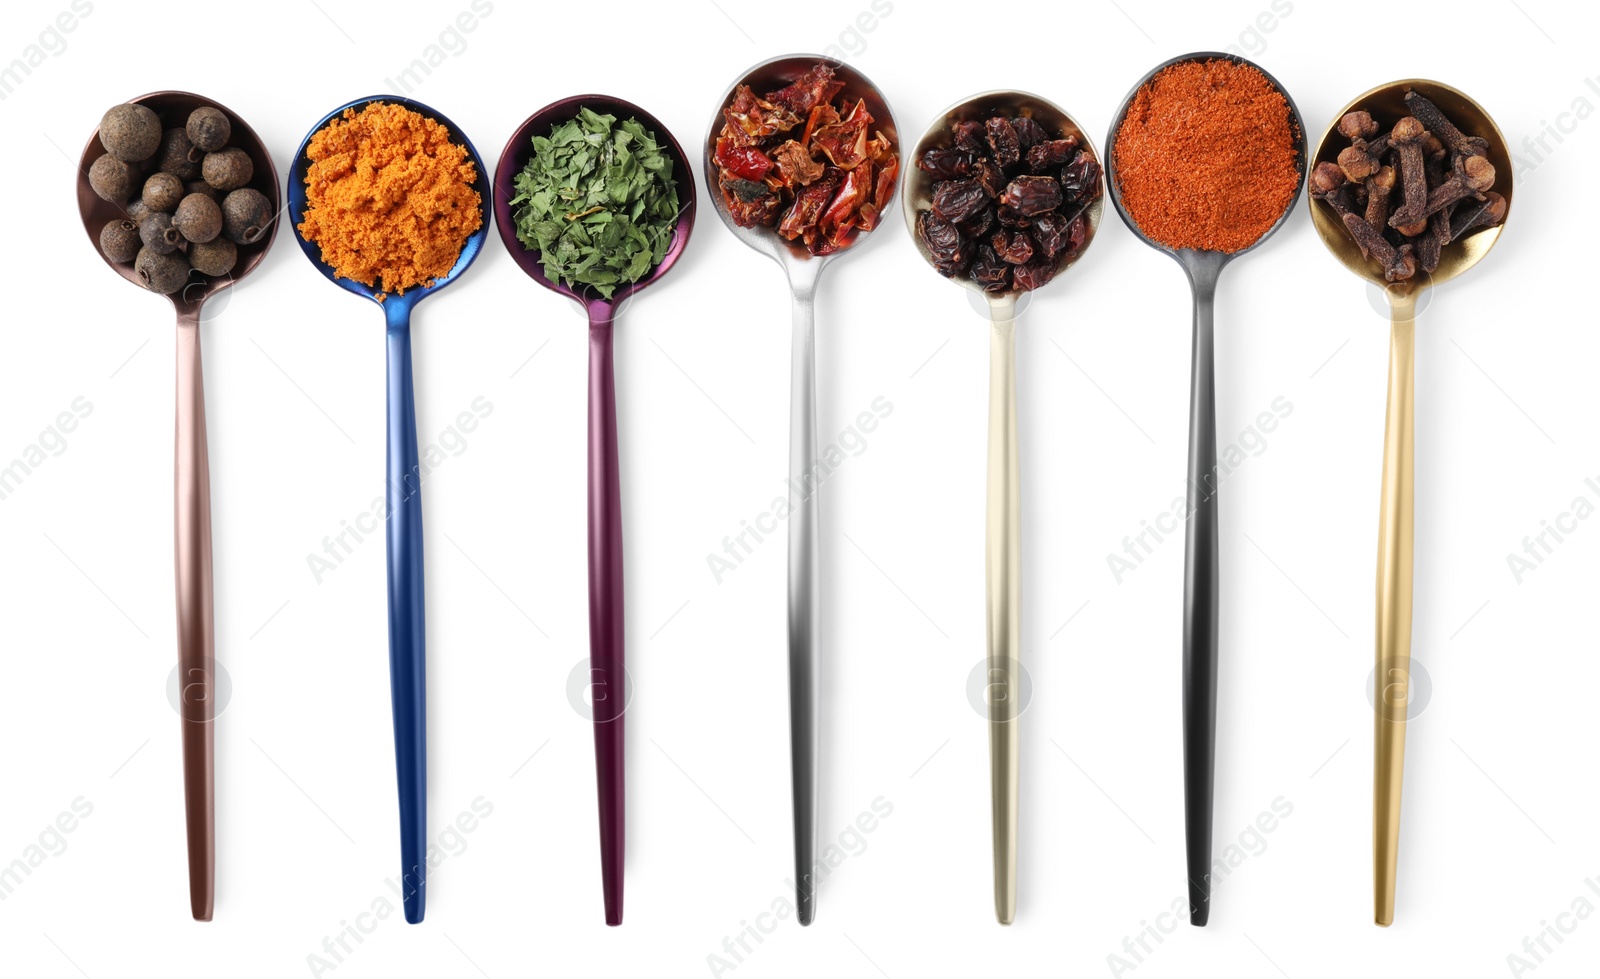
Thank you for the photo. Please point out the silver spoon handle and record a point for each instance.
(804, 617)
(1003, 573)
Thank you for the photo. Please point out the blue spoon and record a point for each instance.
(404, 495)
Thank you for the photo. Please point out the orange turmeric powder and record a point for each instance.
(389, 197)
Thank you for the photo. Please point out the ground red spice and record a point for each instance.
(1205, 157)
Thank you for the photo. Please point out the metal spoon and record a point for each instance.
(1003, 563)
(404, 504)
(192, 482)
(1200, 578)
(606, 660)
(1393, 649)
(805, 622)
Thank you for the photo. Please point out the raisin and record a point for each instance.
(1051, 153)
(945, 162)
(1010, 217)
(1014, 247)
(957, 200)
(1077, 235)
(1032, 195)
(1050, 233)
(989, 271)
(979, 225)
(990, 177)
(950, 251)
(1028, 131)
(1003, 141)
(1080, 181)
(968, 137)
(1033, 275)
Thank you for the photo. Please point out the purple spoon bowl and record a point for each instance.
(607, 677)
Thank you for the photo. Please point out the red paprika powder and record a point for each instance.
(1205, 157)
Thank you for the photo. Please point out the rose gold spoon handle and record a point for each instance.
(192, 527)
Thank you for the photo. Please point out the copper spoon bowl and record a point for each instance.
(192, 478)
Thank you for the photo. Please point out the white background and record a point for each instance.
(1500, 791)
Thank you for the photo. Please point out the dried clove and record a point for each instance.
(1481, 214)
(1406, 138)
(1430, 116)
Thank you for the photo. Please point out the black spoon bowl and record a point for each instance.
(1203, 267)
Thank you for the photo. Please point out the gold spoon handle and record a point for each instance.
(1392, 678)
(1003, 572)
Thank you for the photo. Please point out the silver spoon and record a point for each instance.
(803, 269)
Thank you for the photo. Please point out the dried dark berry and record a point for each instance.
(1032, 195)
(945, 162)
(957, 200)
(119, 240)
(1013, 247)
(988, 271)
(158, 234)
(1003, 141)
(198, 218)
(111, 178)
(1029, 132)
(1033, 275)
(178, 156)
(215, 257)
(1080, 181)
(968, 137)
(990, 177)
(246, 215)
(130, 132)
(1051, 153)
(979, 225)
(163, 272)
(947, 247)
(227, 169)
(162, 192)
(208, 128)
(1050, 234)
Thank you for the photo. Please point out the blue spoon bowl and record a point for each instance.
(404, 495)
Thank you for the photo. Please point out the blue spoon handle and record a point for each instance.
(406, 634)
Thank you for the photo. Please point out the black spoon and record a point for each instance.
(1200, 583)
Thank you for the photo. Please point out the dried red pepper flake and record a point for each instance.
(1206, 156)
(829, 185)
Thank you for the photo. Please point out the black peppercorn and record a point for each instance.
(214, 257)
(130, 132)
(246, 214)
(158, 234)
(227, 169)
(198, 218)
(111, 178)
(119, 240)
(162, 192)
(163, 272)
(208, 128)
(178, 156)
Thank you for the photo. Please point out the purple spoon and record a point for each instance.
(605, 493)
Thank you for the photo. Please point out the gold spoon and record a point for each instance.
(1391, 697)
(1003, 563)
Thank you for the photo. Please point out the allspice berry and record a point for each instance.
(130, 132)
(111, 178)
(215, 257)
(178, 156)
(208, 128)
(162, 192)
(201, 187)
(227, 169)
(158, 234)
(246, 214)
(137, 211)
(119, 240)
(198, 218)
(165, 273)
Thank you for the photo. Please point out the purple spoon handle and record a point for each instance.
(606, 675)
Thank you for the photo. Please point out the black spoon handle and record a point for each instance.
(1200, 596)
